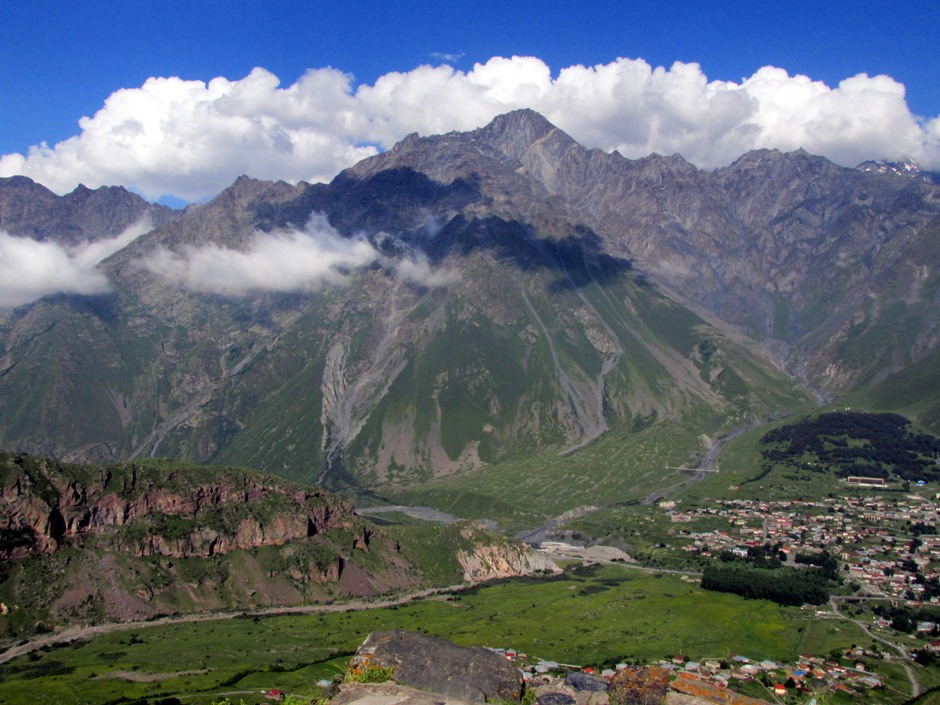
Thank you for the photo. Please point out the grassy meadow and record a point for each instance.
(621, 466)
(587, 616)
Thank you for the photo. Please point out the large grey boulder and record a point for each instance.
(584, 681)
(475, 674)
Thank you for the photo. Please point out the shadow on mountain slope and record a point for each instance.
(577, 259)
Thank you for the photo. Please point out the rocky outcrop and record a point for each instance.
(639, 684)
(490, 560)
(148, 510)
(551, 690)
(580, 682)
(688, 689)
(91, 544)
(425, 670)
(473, 675)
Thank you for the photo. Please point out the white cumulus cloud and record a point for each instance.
(33, 269)
(283, 261)
(191, 139)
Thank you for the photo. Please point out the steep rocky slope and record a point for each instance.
(157, 509)
(832, 267)
(100, 543)
(82, 543)
(486, 558)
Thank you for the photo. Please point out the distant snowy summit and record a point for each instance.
(908, 168)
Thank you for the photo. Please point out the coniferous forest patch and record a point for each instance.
(855, 444)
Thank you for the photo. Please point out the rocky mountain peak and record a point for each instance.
(407, 142)
(520, 137)
(766, 171)
(82, 191)
(21, 199)
(907, 168)
(519, 126)
(246, 188)
(28, 209)
(774, 158)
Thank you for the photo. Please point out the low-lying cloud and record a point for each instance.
(191, 139)
(33, 269)
(285, 261)
(416, 268)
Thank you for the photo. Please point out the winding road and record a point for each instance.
(905, 658)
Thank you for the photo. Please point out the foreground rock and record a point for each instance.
(473, 675)
(389, 694)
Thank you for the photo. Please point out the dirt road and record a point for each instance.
(903, 658)
(80, 633)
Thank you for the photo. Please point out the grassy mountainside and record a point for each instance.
(808, 456)
(912, 391)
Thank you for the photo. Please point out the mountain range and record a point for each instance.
(467, 300)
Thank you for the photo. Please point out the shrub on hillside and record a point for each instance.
(363, 669)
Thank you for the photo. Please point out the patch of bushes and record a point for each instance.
(785, 586)
(363, 669)
(852, 443)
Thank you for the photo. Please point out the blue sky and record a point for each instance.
(60, 61)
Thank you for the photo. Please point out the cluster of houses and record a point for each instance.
(874, 537)
(809, 675)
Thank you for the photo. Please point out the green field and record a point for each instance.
(740, 473)
(522, 492)
(589, 616)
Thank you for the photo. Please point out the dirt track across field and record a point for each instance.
(81, 633)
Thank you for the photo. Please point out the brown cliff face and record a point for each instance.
(489, 558)
(90, 544)
(147, 511)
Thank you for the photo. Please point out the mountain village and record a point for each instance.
(888, 546)
(888, 553)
